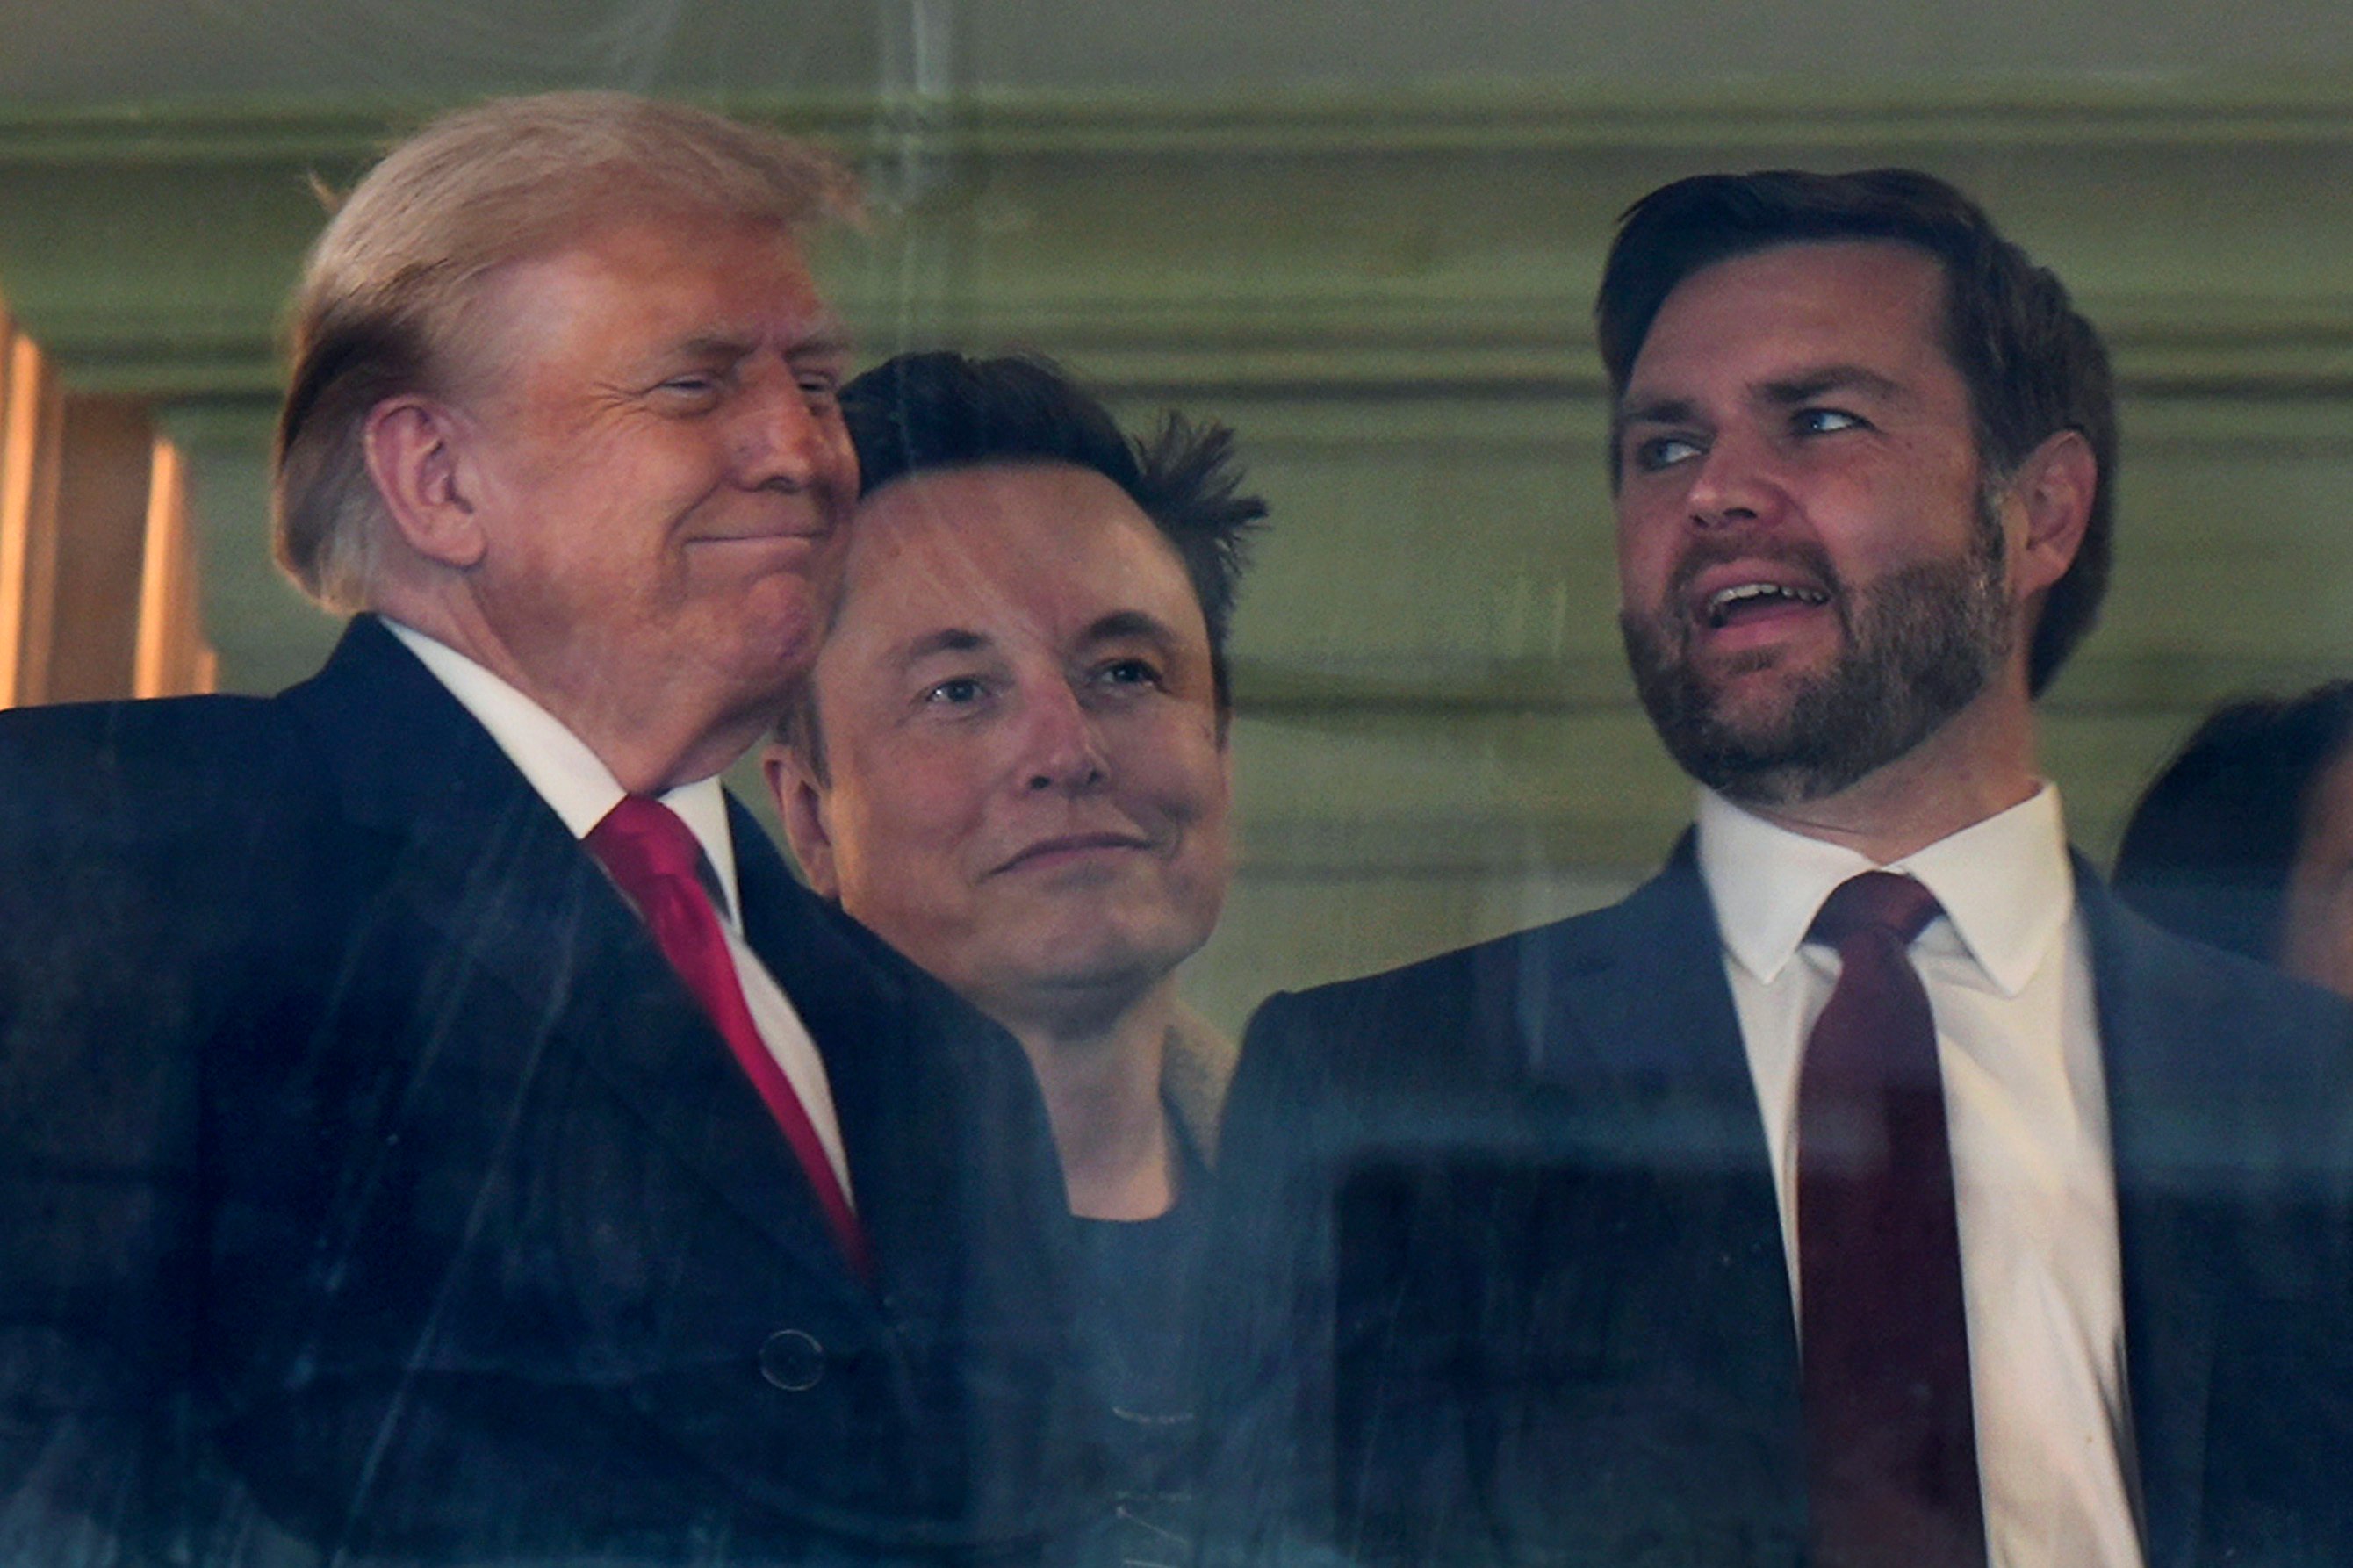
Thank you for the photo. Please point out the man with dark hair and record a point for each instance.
(1868, 1188)
(2243, 838)
(937, 410)
(1010, 763)
(2032, 364)
(437, 1128)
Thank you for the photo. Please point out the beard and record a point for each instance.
(1916, 649)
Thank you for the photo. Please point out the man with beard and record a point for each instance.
(1868, 1188)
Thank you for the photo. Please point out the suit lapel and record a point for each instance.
(1645, 1006)
(480, 860)
(1643, 1041)
(859, 1015)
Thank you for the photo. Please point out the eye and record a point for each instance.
(1131, 671)
(818, 386)
(1826, 421)
(1654, 453)
(956, 691)
(693, 391)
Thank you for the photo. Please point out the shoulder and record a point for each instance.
(2217, 1061)
(1470, 1008)
(83, 733)
(82, 771)
(2168, 984)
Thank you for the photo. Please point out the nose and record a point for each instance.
(792, 439)
(1062, 746)
(1737, 482)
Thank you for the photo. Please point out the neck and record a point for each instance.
(1979, 763)
(652, 737)
(1100, 1074)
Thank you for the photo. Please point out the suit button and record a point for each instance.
(792, 1360)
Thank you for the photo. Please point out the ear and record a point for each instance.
(2054, 488)
(414, 445)
(800, 806)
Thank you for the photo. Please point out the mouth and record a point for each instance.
(807, 534)
(1757, 599)
(1067, 847)
(1724, 588)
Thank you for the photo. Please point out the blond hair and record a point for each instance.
(384, 292)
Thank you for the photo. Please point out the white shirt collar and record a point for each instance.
(2005, 884)
(558, 765)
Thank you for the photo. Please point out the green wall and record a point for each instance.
(1387, 295)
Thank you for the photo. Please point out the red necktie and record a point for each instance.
(1891, 1444)
(655, 858)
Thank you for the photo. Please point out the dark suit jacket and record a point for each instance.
(373, 1186)
(1499, 1241)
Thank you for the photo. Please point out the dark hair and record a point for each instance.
(2032, 364)
(2208, 850)
(921, 413)
(924, 412)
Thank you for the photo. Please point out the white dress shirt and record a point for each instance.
(581, 790)
(2008, 970)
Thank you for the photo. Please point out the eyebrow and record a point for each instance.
(947, 639)
(826, 338)
(1789, 393)
(1122, 624)
(1833, 378)
(1656, 411)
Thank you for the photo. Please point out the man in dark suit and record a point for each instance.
(437, 1128)
(1606, 1243)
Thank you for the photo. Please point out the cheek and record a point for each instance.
(839, 477)
(1175, 763)
(1646, 553)
(904, 832)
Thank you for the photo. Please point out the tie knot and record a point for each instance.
(642, 839)
(1875, 900)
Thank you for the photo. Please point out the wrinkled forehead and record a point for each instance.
(643, 281)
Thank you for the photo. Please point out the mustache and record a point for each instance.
(1710, 550)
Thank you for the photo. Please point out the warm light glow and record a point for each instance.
(163, 567)
(20, 405)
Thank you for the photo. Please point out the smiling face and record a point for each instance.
(656, 474)
(1813, 578)
(1026, 786)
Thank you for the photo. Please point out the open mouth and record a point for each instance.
(1738, 602)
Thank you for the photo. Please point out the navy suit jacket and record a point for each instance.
(1501, 1252)
(374, 1189)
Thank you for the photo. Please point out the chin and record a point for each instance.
(765, 663)
(1111, 964)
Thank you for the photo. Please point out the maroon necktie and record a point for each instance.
(1891, 1444)
(655, 858)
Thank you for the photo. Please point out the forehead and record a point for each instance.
(1049, 543)
(642, 285)
(1860, 302)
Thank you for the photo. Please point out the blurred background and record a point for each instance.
(1365, 235)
